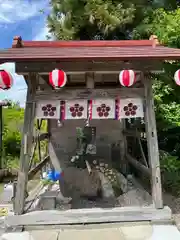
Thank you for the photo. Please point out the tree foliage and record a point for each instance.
(164, 24)
(95, 19)
(135, 19)
(12, 124)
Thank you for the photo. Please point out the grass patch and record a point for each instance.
(1, 187)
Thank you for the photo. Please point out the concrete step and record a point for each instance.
(123, 231)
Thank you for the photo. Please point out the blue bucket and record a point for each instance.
(54, 175)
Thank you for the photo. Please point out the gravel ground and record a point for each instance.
(136, 196)
(174, 203)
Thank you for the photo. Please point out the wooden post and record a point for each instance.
(152, 143)
(26, 146)
(123, 149)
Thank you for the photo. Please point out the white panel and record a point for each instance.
(131, 108)
(48, 109)
(76, 109)
(103, 109)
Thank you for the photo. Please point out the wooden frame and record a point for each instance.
(87, 93)
(70, 94)
(152, 142)
(39, 89)
(27, 139)
(139, 166)
(73, 67)
(84, 216)
(152, 172)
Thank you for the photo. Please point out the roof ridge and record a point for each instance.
(19, 43)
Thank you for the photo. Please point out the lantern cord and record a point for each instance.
(89, 116)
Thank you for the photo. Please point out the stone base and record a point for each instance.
(85, 184)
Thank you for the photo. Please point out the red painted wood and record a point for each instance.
(70, 44)
(89, 53)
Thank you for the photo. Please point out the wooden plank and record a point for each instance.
(41, 137)
(88, 226)
(88, 66)
(89, 80)
(95, 215)
(33, 151)
(131, 133)
(139, 166)
(152, 142)
(43, 81)
(142, 152)
(37, 168)
(124, 166)
(65, 94)
(26, 146)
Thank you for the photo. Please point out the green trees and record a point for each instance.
(164, 24)
(135, 19)
(13, 117)
(95, 19)
(101, 19)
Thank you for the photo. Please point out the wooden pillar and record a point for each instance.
(123, 149)
(152, 142)
(26, 145)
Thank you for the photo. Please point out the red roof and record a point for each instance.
(87, 50)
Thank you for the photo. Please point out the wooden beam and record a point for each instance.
(152, 142)
(41, 137)
(89, 77)
(131, 133)
(65, 94)
(139, 166)
(142, 152)
(37, 168)
(88, 66)
(33, 151)
(43, 81)
(136, 134)
(85, 216)
(124, 166)
(26, 146)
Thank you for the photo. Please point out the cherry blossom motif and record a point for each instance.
(103, 110)
(76, 110)
(48, 110)
(130, 109)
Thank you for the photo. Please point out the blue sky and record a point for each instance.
(21, 18)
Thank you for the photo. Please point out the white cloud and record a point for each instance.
(43, 32)
(12, 11)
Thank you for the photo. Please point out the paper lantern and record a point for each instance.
(177, 77)
(127, 78)
(6, 80)
(57, 78)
